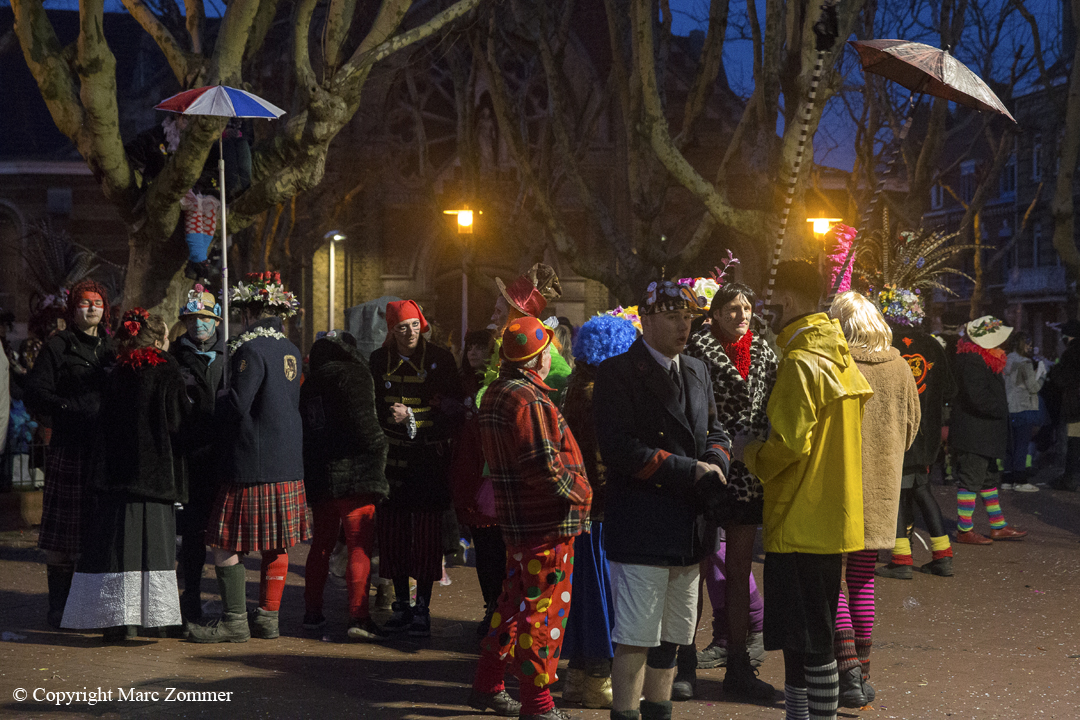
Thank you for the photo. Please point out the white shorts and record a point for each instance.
(654, 603)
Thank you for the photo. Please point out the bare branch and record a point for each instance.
(45, 58)
(226, 62)
(179, 59)
(712, 55)
(196, 16)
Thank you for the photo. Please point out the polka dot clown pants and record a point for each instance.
(527, 628)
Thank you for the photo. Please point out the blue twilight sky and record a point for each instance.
(833, 144)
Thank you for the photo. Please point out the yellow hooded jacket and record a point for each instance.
(811, 465)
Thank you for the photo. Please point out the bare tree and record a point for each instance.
(322, 93)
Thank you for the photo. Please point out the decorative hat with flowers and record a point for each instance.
(901, 306)
(202, 303)
(264, 291)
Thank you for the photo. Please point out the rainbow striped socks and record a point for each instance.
(993, 508)
(965, 508)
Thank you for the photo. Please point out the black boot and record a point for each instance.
(659, 710)
(741, 680)
(59, 577)
(851, 689)
(685, 683)
(1071, 479)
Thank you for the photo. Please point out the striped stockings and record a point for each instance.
(965, 508)
(993, 508)
(856, 610)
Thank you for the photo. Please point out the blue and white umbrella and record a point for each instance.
(221, 101)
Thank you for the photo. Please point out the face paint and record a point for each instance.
(89, 309)
(200, 328)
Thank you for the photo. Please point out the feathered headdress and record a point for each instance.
(914, 260)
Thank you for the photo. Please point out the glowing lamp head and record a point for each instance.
(822, 225)
(465, 218)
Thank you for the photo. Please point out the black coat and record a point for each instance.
(141, 414)
(1064, 383)
(344, 445)
(933, 377)
(260, 416)
(204, 379)
(418, 469)
(66, 385)
(979, 422)
(651, 443)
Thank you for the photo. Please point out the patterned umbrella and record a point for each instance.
(925, 69)
(221, 101)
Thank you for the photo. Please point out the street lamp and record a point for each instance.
(334, 236)
(464, 227)
(822, 225)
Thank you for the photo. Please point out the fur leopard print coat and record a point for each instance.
(740, 404)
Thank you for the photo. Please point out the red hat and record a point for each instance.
(525, 338)
(399, 311)
(523, 296)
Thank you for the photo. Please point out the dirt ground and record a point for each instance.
(1001, 639)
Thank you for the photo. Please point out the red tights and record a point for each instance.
(357, 515)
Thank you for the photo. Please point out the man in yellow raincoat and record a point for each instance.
(811, 470)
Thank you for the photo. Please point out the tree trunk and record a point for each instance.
(1062, 205)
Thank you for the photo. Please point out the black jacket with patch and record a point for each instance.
(933, 378)
(262, 433)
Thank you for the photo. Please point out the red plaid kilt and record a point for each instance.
(266, 516)
(64, 501)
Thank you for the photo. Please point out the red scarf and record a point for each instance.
(994, 357)
(739, 353)
(141, 356)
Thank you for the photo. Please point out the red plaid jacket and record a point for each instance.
(537, 472)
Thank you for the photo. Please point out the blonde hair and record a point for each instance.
(863, 324)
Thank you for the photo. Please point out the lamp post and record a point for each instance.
(464, 227)
(334, 236)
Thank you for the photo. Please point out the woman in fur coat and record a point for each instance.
(125, 577)
(344, 475)
(889, 426)
(743, 370)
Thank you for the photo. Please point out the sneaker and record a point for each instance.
(1006, 486)
(366, 629)
(755, 648)
(713, 656)
(1025, 487)
(499, 703)
(941, 567)
(401, 619)
(420, 626)
(314, 621)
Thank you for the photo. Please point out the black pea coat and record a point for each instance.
(262, 434)
(651, 442)
(141, 414)
(979, 422)
(344, 445)
(66, 385)
(204, 379)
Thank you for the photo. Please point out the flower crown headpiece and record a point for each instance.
(627, 313)
(133, 320)
(901, 306)
(264, 290)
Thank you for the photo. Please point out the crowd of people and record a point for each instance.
(607, 476)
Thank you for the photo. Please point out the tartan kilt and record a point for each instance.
(65, 499)
(265, 516)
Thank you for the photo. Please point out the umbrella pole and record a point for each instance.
(909, 115)
(224, 263)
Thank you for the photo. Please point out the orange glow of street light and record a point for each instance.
(822, 225)
(464, 219)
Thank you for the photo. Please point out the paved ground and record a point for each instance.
(1001, 639)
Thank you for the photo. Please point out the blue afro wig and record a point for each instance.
(602, 337)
